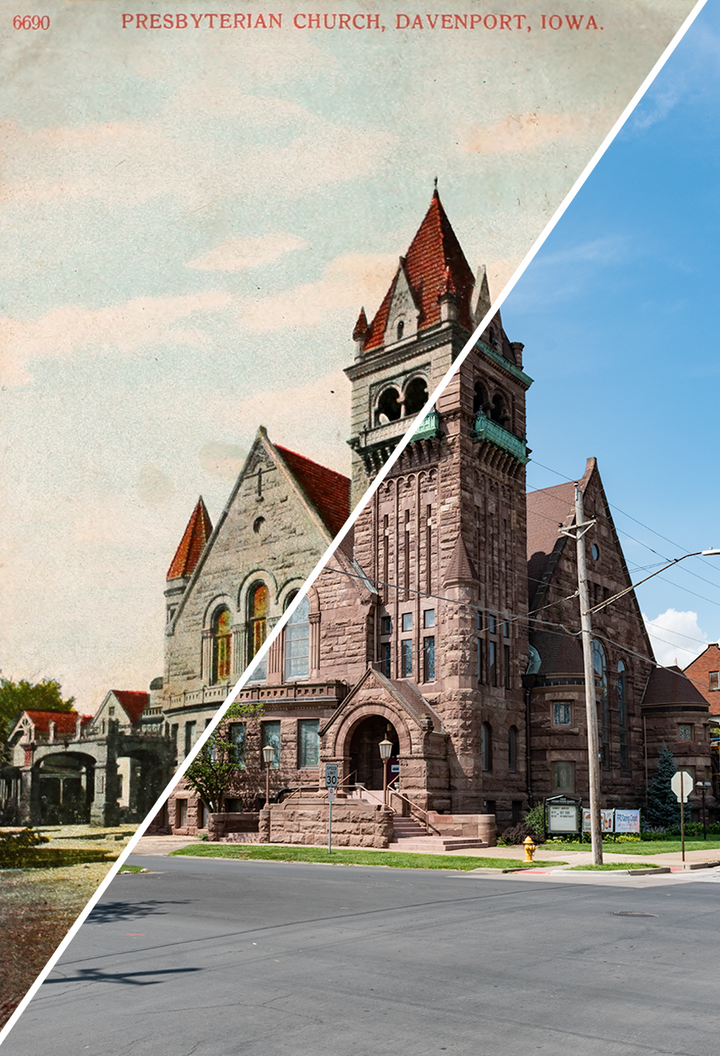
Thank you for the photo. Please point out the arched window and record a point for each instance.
(486, 746)
(416, 396)
(388, 408)
(400, 329)
(257, 624)
(601, 695)
(622, 700)
(498, 412)
(512, 749)
(222, 646)
(297, 642)
(479, 398)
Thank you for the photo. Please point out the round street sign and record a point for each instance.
(682, 785)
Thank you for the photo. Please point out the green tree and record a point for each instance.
(663, 808)
(16, 697)
(215, 767)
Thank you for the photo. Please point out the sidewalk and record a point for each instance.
(163, 845)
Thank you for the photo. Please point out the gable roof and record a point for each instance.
(132, 701)
(192, 544)
(435, 264)
(547, 509)
(65, 721)
(327, 491)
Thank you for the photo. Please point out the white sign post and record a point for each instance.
(331, 784)
(682, 785)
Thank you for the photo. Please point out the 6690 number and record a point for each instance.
(31, 22)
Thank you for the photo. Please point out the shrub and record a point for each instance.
(15, 847)
(517, 834)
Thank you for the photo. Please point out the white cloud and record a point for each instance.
(520, 133)
(349, 281)
(126, 329)
(236, 254)
(676, 637)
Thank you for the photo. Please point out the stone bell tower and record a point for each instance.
(445, 534)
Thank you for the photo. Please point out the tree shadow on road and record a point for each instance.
(109, 912)
(96, 975)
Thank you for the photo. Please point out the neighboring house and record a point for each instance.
(38, 770)
(705, 674)
(423, 629)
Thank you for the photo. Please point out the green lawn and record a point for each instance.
(616, 866)
(345, 856)
(132, 869)
(642, 846)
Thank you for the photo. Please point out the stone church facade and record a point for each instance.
(446, 622)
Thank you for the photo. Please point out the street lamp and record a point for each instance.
(386, 748)
(577, 532)
(268, 756)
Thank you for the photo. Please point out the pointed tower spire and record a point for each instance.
(434, 258)
(192, 544)
(481, 296)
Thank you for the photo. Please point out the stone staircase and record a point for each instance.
(410, 835)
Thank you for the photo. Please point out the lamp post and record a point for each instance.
(385, 753)
(577, 532)
(268, 756)
(702, 785)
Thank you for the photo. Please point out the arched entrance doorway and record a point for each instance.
(365, 755)
(63, 789)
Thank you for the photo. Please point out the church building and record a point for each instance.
(447, 621)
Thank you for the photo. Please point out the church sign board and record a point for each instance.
(562, 815)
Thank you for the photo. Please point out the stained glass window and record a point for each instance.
(222, 646)
(308, 743)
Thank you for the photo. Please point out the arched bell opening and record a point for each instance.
(365, 760)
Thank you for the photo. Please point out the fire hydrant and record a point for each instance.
(529, 848)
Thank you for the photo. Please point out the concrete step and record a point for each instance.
(437, 844)
(407, 828)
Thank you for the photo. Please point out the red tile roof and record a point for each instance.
(327, 491)
(133, 702)
(65, 721)
(192, 544)
(434, 265)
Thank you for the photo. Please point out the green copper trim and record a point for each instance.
(485, 429)
(504, 363)
(429, 427)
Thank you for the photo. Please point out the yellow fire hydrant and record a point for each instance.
(529, 848)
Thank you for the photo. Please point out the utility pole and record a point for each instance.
(577, 532)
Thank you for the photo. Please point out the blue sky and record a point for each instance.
(619, 315)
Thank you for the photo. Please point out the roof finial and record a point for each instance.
(435, 183)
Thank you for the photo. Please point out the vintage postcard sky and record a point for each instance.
(194, 207)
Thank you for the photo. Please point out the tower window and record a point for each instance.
(416, 396)
(400, 329)
(512, 749)
(388, 407)
(479, 399)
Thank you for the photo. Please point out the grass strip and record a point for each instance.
(640, 846)
(616, 867)
(132, 869)
(349, 856)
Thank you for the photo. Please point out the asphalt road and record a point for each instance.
(215, 957)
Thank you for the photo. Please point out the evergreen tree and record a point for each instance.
(663, 808)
